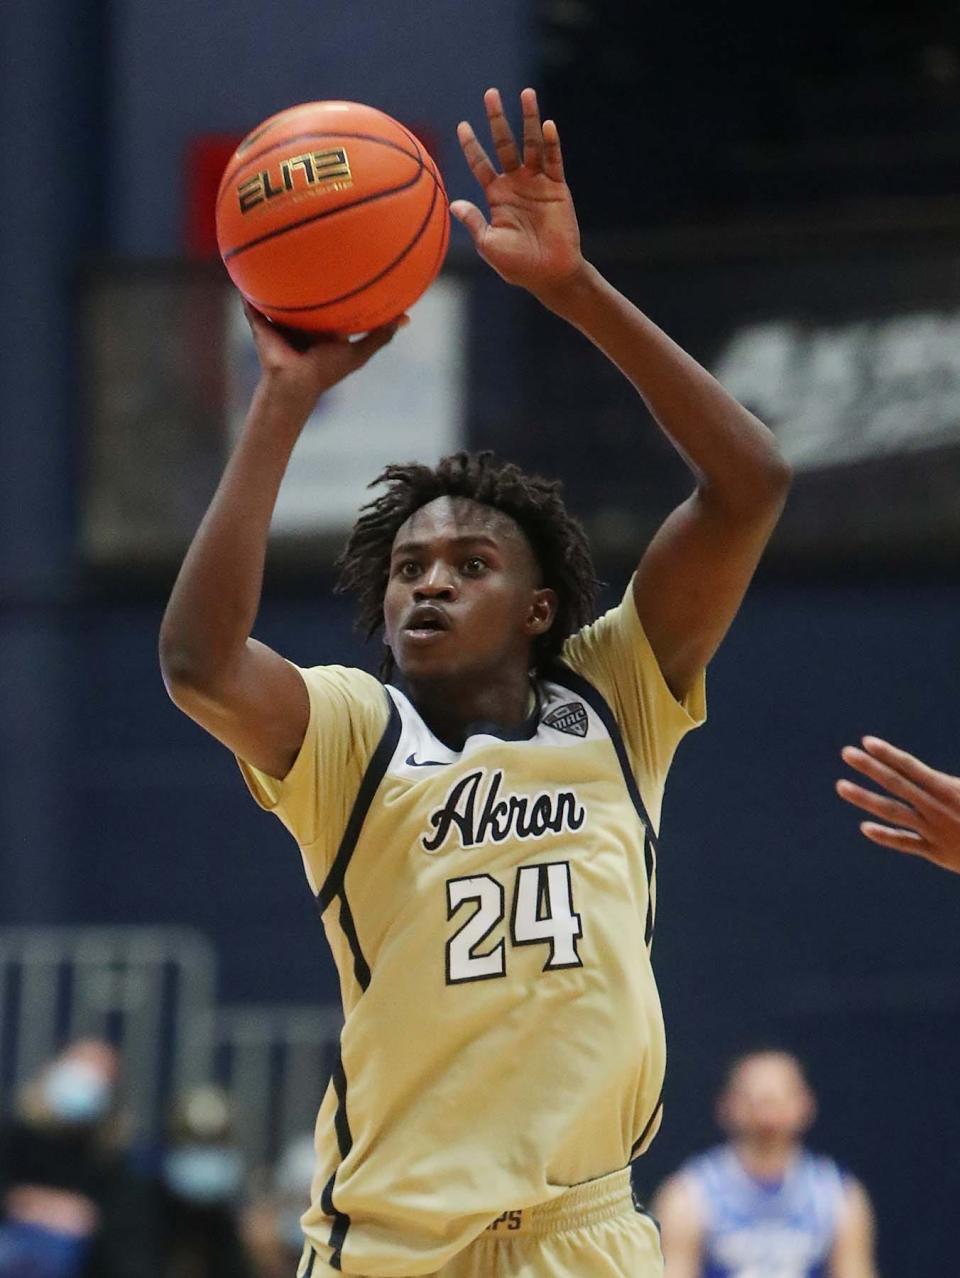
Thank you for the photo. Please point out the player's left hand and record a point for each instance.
(920, 806)
(532, 238)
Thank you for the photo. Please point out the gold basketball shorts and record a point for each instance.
(593, 1230)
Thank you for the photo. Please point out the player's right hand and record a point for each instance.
(304, 365)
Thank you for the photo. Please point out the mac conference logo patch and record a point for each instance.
(570, 717)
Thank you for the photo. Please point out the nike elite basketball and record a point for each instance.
(332, 217)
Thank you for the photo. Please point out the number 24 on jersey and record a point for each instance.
(542, 914)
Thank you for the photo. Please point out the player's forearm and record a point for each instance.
(216, 597)
(734, 457)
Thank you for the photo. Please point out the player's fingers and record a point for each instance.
(552, 155)
(375, 340)
(501, 132)
(937, 783)
(899, 840)
(879, 805)
(258, 323)
(472, 219)
(886, 777)
(532, 131)
(273, 341)
(475, 155)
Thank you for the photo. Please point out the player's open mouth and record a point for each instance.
(426, 623)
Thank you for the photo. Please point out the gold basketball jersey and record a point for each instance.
(490, 911)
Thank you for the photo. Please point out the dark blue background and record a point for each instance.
(776, 922)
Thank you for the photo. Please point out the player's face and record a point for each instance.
(767, 1100)
(463, 598)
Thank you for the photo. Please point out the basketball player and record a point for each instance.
(921, 805)
(482, 842)
(761, 1206)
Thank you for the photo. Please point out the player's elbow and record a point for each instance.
(777, 476)
(186, 676)
(177, 678)
(772, 487)
(752, 494)
(764, 472)
(769, 473)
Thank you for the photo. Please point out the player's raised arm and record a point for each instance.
(693, 575)
(241, 691)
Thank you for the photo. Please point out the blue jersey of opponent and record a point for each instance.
(764, 1229)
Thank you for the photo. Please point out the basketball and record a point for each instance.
(332, 217)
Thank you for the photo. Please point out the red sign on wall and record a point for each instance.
(206, 158)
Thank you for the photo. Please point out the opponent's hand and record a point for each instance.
(921, 806)
(303, 365)
(532, 238)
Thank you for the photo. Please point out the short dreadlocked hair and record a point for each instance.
(558, 541)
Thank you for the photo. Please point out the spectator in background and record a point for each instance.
(921, 807)
(272, 1225)
(761, 1206)
(71, 1205)
(201, 1180)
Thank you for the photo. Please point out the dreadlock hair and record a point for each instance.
(558, 541)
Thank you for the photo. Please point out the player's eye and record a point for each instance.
(407, 568)
(474, 565)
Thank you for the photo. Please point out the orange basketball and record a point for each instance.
(332, 217)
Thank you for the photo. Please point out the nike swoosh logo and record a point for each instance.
(413, 762)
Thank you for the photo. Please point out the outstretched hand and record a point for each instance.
(532, 238)
(920, 806)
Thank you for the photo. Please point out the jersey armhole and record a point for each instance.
(559, 672)
(376, 770)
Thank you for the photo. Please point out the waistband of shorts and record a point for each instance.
(580, 1205)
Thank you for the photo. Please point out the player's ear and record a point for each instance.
(543, 609)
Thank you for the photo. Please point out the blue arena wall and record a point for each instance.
(777, 922)
(425, 63)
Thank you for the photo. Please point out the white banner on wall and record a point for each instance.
(407, 404)
(843, 392)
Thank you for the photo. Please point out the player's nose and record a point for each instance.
(438, 582)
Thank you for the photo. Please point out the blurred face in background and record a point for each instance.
(204, 1175)
(766, 1102)
(203, 1166)
(78, 1087)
